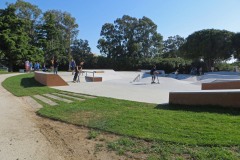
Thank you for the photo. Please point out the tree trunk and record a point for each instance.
(209, 63)
(69, 50)
(10, 67)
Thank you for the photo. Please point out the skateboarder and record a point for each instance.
(154, 72)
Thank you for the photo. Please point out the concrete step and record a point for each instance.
(68, 96)
(77, 94)
(58, 98)
(45, 100)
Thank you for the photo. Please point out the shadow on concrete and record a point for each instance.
(30, 82)
(209, 109)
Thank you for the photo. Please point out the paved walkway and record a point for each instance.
(20, 138)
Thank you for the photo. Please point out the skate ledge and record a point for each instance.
(49, 79)
(224, 98)
(93, 79)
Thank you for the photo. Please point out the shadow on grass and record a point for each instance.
(209, 109)
(30, 82)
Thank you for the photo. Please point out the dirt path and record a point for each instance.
(24, 135)
(20, 137)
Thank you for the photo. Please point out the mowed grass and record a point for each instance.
(160, 131)
(25, 85)
(151, 122)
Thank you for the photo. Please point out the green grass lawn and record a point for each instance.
(151, 122)
(174, 132)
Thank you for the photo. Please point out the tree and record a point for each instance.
(30, 15)
(210, 45)
(58, 31)
(14, 40)
(80, 50)
(129, 37)
(171, 46)
(70, 27)
(236, 45)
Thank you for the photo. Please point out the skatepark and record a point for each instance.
(114, 84)
(136, 85)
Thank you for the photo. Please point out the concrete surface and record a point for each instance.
(119, 85)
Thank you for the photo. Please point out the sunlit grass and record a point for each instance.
(160, 131)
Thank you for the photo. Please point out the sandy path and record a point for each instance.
(20, 138)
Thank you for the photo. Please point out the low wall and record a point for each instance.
(93, 79)
(49, 79)
(221, 98)
(221, 85)
(99, 71)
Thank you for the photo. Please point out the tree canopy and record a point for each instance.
(236, 45)
(129, 37)
(80, 50)
(58, 31)
(15, 42)
(171, 46)
(210, 45)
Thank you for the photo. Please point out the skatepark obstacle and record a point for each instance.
(49, 79)
(221, 85)
(217, 98)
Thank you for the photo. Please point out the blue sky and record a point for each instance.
(173, 17)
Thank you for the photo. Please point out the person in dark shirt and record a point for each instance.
(78, 71)
(153, 72)
(72, 66)
(55, 66)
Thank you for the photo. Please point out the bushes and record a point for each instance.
(133, 64)
(224, 67)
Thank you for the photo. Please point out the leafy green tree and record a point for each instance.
(129, 37)
(210, 45)
(15, 42)
(236, 45)
(147, 38)
(30, 14)
(52, 35)
(57, 34)
(80, 50)
(171, 46)
(70, 29)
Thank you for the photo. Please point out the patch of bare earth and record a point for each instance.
(71, 142)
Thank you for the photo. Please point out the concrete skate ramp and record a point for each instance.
(49, 79)
(224, 98)
(221, 84)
